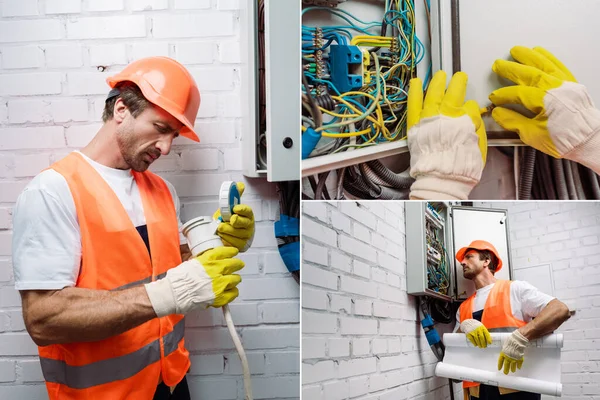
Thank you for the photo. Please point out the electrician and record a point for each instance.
(447, 139)
(502, 306)
(98, 257)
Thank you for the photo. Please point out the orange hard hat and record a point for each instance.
(479, 245)
(167, 84)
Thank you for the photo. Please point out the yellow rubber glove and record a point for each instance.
(239, 231)
(566, 122)
(446, 139)
(476, 332)
(220, 266)
(512, 352)
(203, 281)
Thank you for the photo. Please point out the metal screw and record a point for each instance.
(288, 142)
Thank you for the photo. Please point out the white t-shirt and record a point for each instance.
(526, 302)
(46, 235)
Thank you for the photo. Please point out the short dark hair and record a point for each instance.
(132, 97)
(488, 255)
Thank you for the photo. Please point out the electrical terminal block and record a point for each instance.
(433, 254)
(346, 67)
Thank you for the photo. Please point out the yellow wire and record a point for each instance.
(345, 135)
(338, 115)
(369, 38)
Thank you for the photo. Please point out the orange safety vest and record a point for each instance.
(114, 257)
(497, 313)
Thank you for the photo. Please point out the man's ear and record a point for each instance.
(120, 110)
(486, 263)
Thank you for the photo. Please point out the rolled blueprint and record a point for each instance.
(498, 379)
(460, 340)
(540, 372)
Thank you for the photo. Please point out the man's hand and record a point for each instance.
(566, 122)
(446, 139)
(476, 332)
(239, 231)
(207, 280)
(512, 352)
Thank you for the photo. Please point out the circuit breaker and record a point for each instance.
(435, 231)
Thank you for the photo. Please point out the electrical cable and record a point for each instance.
(547, 177)
(528, 166)
(560, 179)
(594, 184)
(577, 178)
(569, 177)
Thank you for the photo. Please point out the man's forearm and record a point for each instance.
(551, 317)
(83, 315)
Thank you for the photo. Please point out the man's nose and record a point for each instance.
(164, 146)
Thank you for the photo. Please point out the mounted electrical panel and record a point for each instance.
(429, 269)
(270, 81)
(434, 233)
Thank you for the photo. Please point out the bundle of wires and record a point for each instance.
(437, 272)
(372, 114)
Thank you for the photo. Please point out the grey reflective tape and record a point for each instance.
(171, 340)
(140, 282)
(100, 372)
(112, 369)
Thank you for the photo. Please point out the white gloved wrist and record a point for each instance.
(587, 152)
(469, 325)
(185, 288)
(514, 346)
(441, 188)
(161, 297)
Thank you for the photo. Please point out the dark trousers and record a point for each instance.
(492, 393)
(181, 392)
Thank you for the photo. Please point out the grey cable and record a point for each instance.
(594, 184)
(527, 173)
(547, 177)
(560, 179)
(577, 181)
(388, 177)
(569, 176)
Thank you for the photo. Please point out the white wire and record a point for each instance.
(240, 349)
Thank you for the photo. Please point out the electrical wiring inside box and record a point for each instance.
(438, 266)
(355, 75)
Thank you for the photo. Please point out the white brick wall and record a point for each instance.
(51, 98)
(360, 335)
(565, 235)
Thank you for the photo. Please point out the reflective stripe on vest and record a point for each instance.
(114, 257)
(112, 369)
(497, 313)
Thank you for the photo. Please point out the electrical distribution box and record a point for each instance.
(435, 231)
(270, 81)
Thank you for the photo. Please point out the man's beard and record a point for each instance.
(127, 146)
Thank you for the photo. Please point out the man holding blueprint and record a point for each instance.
(503, 306)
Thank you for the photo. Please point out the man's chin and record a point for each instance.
(140, 167)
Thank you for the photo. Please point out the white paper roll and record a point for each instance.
(497, 379)
(460, 340)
